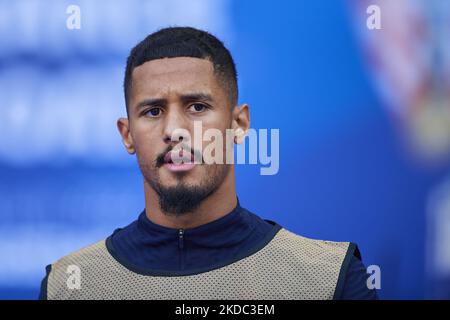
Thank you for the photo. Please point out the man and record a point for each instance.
(194, 240)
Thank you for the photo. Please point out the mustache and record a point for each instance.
(198, 157)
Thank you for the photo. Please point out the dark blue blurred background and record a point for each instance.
(345, 171)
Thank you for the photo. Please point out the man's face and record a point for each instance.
(170, 94)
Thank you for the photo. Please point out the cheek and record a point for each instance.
(146, 142)
(219, 121)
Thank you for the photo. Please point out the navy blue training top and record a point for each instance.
(150, 248)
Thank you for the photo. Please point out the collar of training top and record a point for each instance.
(221, 232)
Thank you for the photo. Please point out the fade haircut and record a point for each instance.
(184, 42)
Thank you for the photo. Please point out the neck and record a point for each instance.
(215, 206)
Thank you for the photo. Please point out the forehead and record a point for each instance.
(167, 76)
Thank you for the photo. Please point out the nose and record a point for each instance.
(176, 127)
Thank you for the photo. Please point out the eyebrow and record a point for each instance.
(196, 97)
(185, 98)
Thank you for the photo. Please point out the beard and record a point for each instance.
(183, 198)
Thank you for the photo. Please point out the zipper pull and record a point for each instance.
(180, 238)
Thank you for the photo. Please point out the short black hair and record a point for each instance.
(184, 42)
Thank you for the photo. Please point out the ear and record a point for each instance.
(123, 125)
(241, 122)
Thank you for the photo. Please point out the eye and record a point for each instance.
(197, 107)
(153, 112)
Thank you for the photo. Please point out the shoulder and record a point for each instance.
(342, 260)
(73, 267)
(318, 259)
(314, 249)
(95, 252)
